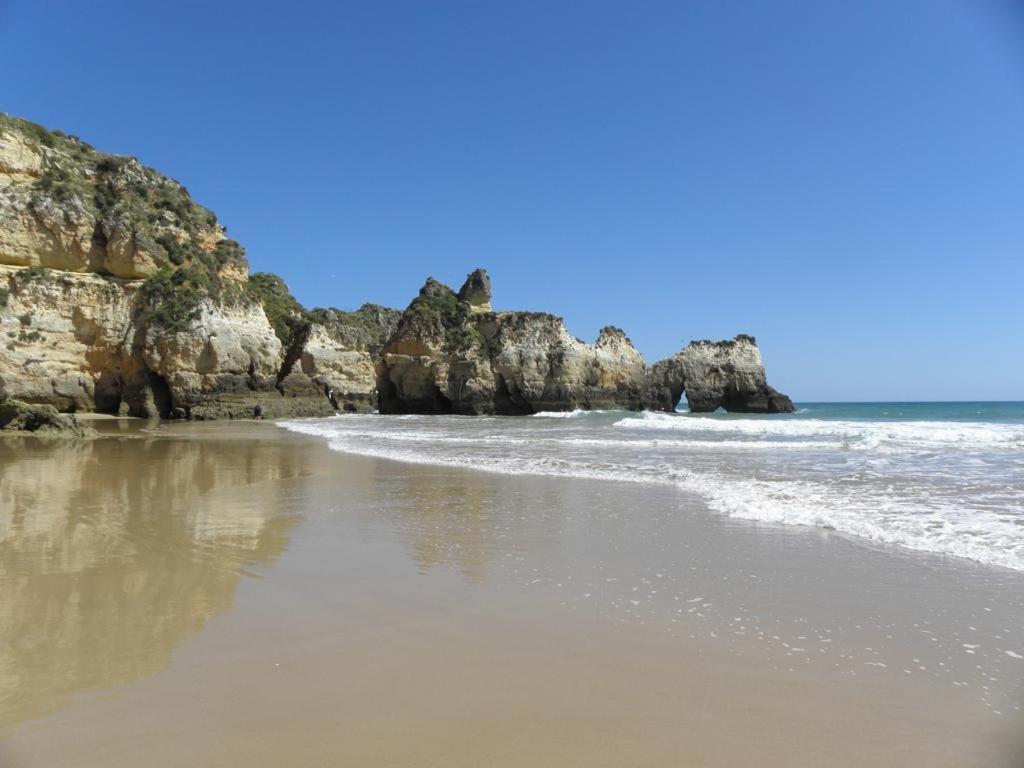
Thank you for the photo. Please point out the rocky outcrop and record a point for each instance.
(476, 291)
(67, 206)
(44, 420)
(120, 294)
(63, 338)
(712, 375)
(539, 366)
(449, 355)
(436, 362)
(341, 355)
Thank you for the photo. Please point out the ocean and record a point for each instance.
(946, 478)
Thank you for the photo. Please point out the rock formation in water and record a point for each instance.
(713, 374)
(44, 420)
(120, 294)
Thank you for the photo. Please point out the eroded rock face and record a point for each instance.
(67, 206)
(476, 291)
(42, 420)
(81, 342)
(713, 374)
(119, 293)
(63, 338)
(540, 366)
(341, 356)
(449, 356)
(219, 368)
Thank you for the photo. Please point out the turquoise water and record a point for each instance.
(992, 412)
(942, 478)
(985, 412)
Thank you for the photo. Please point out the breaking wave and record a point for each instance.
(949, 487)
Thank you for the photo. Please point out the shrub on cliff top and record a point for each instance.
(286, 315)
(117, 190)
(367, 328)
(437, 310)
(173, 296)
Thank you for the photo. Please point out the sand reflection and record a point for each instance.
(468, 520)
(113, 552)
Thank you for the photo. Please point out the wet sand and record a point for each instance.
(236, 595)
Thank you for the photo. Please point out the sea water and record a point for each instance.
(946, 478)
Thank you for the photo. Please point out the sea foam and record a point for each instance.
(954, 488)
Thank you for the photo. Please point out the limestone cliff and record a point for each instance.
(452, 353)
(540, 366)
(713, 374)
(119, 293)
(341, 354)
(68, 207)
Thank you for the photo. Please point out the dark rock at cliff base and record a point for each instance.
(713, 374)
(768, 401)
(16, 416)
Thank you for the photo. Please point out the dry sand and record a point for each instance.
(235, 595)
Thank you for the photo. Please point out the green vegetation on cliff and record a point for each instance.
(137, 210)
(129, 201)
(437, 312)
(287, 316)
(173, 297)
(367, 328)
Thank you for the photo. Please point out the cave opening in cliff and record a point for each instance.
(162, 400)
(507, 403)
(108, 393)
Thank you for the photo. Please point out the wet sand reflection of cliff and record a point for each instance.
(113, 552)
(469, 519)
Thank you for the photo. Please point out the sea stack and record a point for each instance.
(712, 375)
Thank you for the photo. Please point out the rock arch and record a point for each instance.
(712, 374)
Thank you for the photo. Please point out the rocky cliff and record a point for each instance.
(712, 375)
(342, 354)
(451, 353)
(119, 293)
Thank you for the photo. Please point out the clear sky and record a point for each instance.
(844, 180)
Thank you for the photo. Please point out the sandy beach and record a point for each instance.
(238, 595)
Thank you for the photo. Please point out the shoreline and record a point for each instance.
(743, 506)
(422, 600)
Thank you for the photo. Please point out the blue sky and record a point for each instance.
(844, 180)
